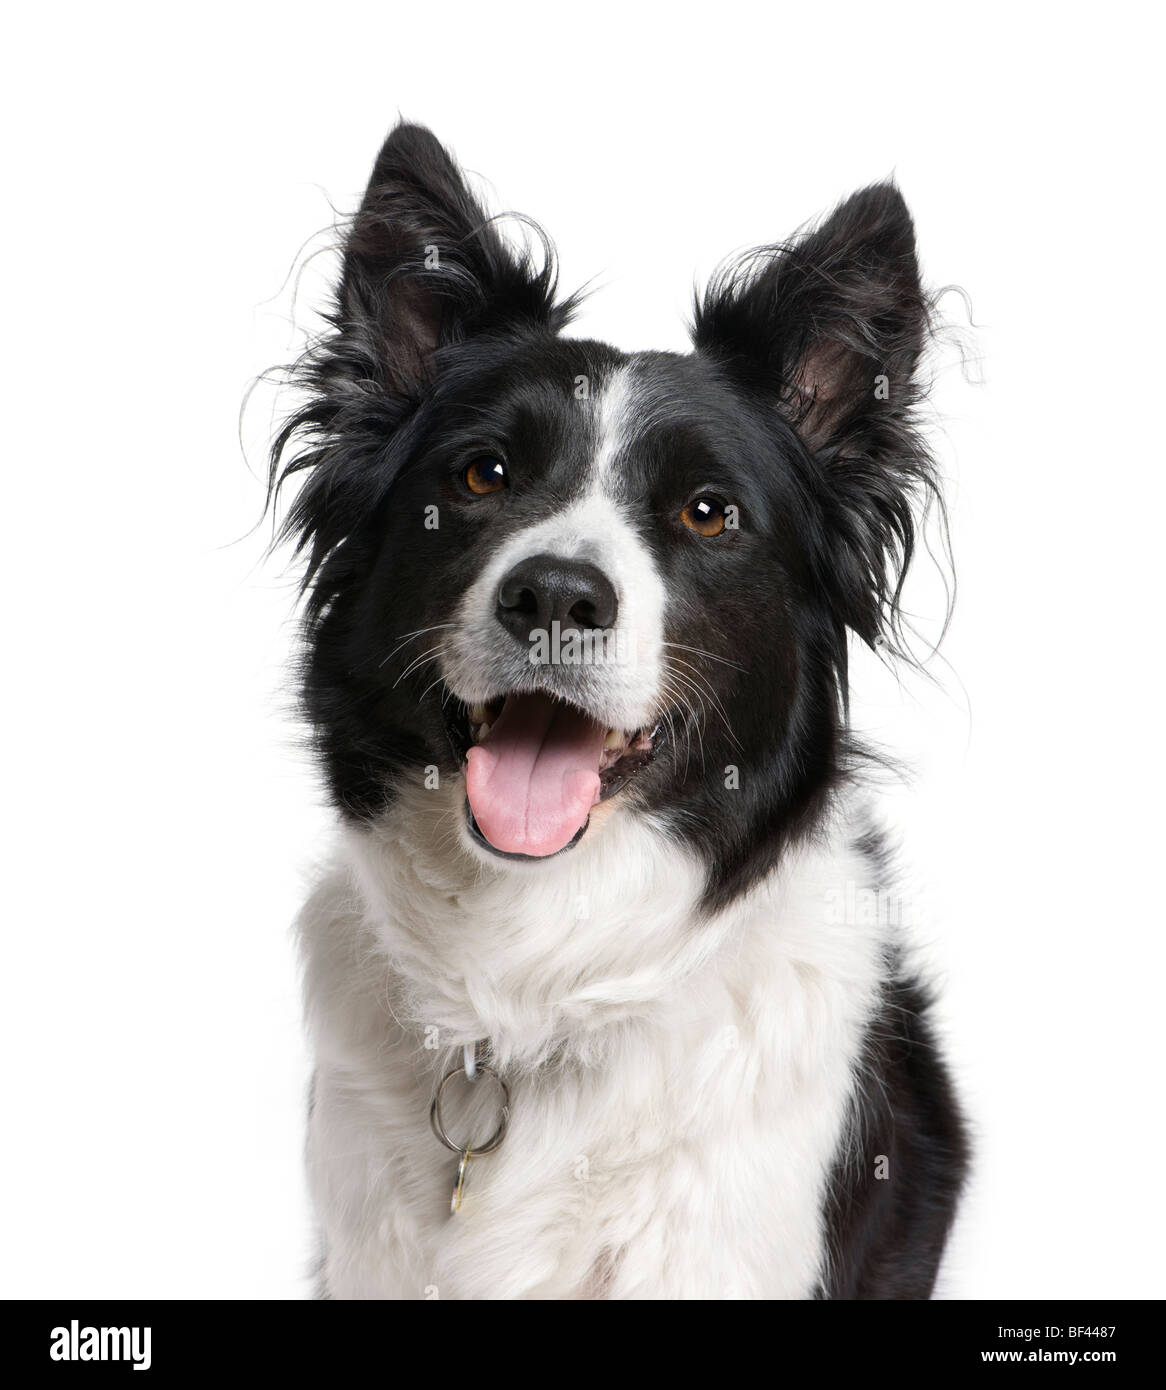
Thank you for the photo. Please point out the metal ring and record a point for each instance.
(439, 1128)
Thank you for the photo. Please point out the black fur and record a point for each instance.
(797, 405)
(904, 1156)
(887, 1225)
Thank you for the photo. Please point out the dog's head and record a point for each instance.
(580, 578)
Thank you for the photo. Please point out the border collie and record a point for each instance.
(588, 1019)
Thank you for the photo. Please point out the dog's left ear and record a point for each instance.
(829, 329)
(831, 324)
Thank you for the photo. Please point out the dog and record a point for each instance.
(587, 1019)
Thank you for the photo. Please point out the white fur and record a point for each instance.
(679, 1086)
(623, 692)
(615, 418)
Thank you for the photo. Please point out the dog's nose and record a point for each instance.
(543, 589)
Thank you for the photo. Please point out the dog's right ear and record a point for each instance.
(424, 265)
(424, 268)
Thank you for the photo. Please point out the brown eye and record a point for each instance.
(705, 516)
(485, 475)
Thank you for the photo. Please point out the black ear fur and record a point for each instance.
(830, 329)
(424, 265)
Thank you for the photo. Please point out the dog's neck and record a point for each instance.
(569, 956)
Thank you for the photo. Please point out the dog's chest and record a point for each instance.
(678, 1087)
(691, 1168)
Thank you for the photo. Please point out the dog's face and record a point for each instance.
(578, 579)
(605, 534)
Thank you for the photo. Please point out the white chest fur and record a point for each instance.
(679, 1086)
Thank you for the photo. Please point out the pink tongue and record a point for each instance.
(536, 777)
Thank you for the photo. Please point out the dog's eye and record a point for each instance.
(485, 475)
(705, 516)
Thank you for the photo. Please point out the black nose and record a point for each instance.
(543, 589)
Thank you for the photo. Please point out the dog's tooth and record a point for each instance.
(478, 714)
(614, 739)
(483, 731)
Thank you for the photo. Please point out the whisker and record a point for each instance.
(702, 683)
(430, 686)
(712, 656)
(691, 720)
(407, 637)
(417, 661)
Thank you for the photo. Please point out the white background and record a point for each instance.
(163, 167)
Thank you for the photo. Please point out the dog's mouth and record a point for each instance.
(536, 765)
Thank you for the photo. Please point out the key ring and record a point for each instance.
(435, 1120)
